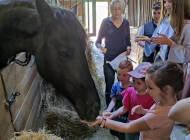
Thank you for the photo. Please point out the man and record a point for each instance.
(147, 30)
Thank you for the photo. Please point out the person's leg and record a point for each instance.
(114, 133)
(132, 136)
(109, 74)
(157, 59)
(121, 136)
(148, 58)
(137, 136)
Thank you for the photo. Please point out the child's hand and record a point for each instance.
(138, 109)
(108, 115)
(97, 121)
(128, 51)
(103, 50)
(161, 39)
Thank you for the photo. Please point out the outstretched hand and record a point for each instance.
(96, 122)
(161, 39)
(138, 109)
(108, 115)
(128, 51)
(142, 38)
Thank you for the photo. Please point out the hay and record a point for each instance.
(61, 118)
(29, 135)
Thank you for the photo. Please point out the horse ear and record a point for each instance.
(74, 9)
(43, 10)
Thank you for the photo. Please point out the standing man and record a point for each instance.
(147, 30)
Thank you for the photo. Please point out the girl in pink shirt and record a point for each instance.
(164, 81)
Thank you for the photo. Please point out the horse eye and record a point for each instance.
(63, 55)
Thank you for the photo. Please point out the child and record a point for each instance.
(164, 80)
(181, 112)
(133, 96)
(116, 101)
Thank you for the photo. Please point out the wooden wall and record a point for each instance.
(25, 110)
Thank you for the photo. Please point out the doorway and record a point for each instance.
(94, 12)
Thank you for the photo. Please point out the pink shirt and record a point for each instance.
(131, 99)
(161, 126)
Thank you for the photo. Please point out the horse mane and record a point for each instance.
(66, 17)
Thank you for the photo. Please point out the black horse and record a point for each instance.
(58, 41)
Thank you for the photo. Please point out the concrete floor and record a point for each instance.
(179, 132)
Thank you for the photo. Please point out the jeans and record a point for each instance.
(132, 136)
(120, 136)
(109, 74)
(157, 59)
(152, 56)
(148, 58)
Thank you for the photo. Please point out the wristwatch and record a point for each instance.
(103, 122)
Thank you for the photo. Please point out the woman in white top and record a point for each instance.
(173, 32)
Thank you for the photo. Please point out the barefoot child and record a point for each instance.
(116, 101)
(164, 80)
(133, 96)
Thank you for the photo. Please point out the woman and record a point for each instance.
(115, 31)
(173, 32)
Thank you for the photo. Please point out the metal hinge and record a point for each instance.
(11, 99)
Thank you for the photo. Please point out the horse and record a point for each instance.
(58, 41)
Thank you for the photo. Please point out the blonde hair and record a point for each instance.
(180, 13)
(122, 4)
(126, 64)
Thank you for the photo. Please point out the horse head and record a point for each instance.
(58, 41)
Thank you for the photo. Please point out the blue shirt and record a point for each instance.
(116, 93)
(116, 39)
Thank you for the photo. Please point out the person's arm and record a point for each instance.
(162, 39)
(181, 51)
(113, 97)
(139, 110)
(111, 115)
(128, 51)
(139, 40)
(111, 105)
(120, 111)
(128, 41)
(134, 126)
(180, 111)
(101, 35)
